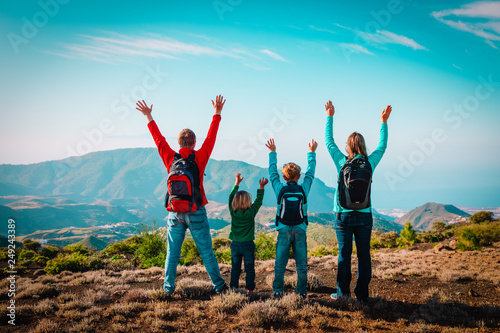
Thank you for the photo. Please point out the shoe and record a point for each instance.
(304, 296)
(251, 292)
(334, 296)
(223, 290)
(277, 295)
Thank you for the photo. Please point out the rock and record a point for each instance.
(453, 244)
(442, 247)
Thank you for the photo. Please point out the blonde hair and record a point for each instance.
(291, 171)
(186, 138)
(356, 144)
(242, 200)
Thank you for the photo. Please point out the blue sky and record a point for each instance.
(72, 70)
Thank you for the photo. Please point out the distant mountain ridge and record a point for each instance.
(424, 216)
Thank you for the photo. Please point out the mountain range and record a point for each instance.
(108, 187)
(424, 216)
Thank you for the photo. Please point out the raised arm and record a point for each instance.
(260, 196)
(331, 146)
(273, 168)
(209, 143)
(311, 167)
(377, 154)
(239, 178)
(166, 153)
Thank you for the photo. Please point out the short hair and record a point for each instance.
(291, 171)
(186, 138)
(242, 200)
(356, 144)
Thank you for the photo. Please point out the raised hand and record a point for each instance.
(313, 145)
(270, 144)
(263, 182)
(239, 179)
(386, 113)
(219, 104)
(330, 110)
(143, 107)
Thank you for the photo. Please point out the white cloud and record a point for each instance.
(273, 55)
(355, 48)
(489, 30)
(312, 27)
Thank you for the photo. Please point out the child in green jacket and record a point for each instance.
(242, 232)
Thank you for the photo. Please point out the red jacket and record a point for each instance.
(201, 156)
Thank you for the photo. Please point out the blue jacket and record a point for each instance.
(339, 158)
(274, 177)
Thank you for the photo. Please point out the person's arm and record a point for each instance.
(260, 196)
(377, 154)
(166, 153)
(311, 167)
(236, 186)
(273, 168)
(331, 146)
(209, 143)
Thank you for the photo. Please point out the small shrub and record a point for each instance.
(77, 248)
(189, 287)
(152, 249)
(408, 236)
(74, 262)
(189, 253)
(41, 260)
(229, 302)
(31, 245)
(258, 314)
(483, 216)
(37, 289)
(49, 252)
(46, 326)
(467, 240)
(383, 240)
(121, 247)
(322, 250)
(265, 247)
(27, 255)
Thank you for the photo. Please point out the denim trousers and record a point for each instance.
(197, 222)
(245, 251)
(360, 226)
(295, 237)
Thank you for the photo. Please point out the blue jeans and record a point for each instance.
(197, 222)
(358, 225)
(245, 251)
(295, 237)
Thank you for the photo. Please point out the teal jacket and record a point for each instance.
(243, 221)
(339, 158)
(274, 177)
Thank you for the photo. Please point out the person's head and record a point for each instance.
(356, 145)
(291, 172)
(242, 200)
(187, 138)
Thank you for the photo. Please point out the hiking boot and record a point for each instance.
(334, 296)
(251, 292)
(277, 295)
(223, 290)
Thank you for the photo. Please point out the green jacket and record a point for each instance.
(243, 221)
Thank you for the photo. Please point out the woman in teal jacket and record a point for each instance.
(354, 222)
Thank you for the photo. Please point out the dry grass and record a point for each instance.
(37, 290)
(229, 302)
(46, 326)
(189, 287)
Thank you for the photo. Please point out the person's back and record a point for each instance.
(350, 221)
(179, 221)
(291, 225)
(242, 233)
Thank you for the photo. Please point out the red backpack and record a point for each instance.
(184, 194)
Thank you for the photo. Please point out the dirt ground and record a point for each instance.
(418, 290)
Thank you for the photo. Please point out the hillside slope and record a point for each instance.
(424, 216)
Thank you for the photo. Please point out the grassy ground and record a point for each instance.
(418, 290)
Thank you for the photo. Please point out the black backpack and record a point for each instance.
(354, 184)
(184, 194)
(291, 203)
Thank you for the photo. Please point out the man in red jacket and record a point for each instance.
(197, 221)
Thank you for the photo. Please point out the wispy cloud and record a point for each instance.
(273, 55)
(489, 30)
(355, 48)
(383, 37)
(312, 27)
